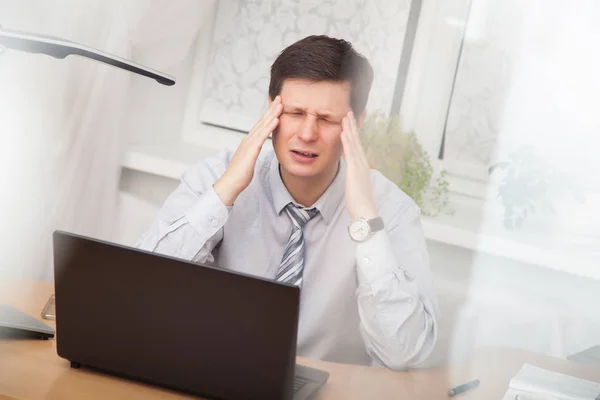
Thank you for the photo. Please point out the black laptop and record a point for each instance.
(177, 324)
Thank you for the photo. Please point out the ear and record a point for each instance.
(361, 119)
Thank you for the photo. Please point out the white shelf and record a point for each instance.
(169, 160)
(474, 225)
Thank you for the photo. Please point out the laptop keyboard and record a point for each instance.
(299, 383)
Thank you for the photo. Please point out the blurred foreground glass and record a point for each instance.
(503, 95)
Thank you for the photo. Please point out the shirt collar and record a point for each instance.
(326, 204)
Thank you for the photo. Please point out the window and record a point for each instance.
(514, 82)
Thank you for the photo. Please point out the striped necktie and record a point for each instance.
(292, 262)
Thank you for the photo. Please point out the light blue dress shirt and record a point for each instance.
(361, 303)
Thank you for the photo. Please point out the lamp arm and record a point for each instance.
(61, 48)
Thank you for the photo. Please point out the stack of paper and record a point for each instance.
(533, 383)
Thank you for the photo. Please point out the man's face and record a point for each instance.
(311, 123)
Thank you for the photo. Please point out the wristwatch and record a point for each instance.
(361, 229)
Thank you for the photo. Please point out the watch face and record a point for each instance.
(359, 230)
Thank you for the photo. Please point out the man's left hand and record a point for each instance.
(359, 192)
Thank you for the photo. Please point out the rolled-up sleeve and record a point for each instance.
(396, 300)
(190, 223)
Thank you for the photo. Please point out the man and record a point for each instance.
(302, 214)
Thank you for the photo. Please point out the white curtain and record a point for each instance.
(64, 124)
(61, 138)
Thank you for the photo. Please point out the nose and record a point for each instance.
(309, 129)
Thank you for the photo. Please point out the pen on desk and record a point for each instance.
(463, 388)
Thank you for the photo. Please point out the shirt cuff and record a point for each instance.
(208, 215)
(375, 257)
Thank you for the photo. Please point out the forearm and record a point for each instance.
(398, 315)
(189, 234)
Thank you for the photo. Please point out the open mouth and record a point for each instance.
(311, 155)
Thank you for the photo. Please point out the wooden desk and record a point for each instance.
(30, 369)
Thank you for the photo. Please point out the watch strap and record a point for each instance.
(375, 224)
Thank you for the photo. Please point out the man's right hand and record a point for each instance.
(240, 171)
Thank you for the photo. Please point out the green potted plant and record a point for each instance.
(398, 155)
(529, 184)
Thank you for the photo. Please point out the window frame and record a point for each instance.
(428, 91)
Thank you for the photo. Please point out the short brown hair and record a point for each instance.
(322, 58)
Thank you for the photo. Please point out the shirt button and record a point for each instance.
(366, 260)
(213, 222)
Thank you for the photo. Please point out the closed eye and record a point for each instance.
(329, 121)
